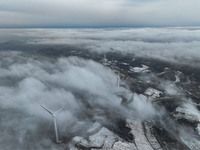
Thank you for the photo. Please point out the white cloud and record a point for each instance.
(99, 13)
(85, 86)
(179, 45)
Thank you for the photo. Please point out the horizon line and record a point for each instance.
(95, 27)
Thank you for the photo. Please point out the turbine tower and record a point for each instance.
(54, 120)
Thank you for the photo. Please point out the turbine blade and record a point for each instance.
(47, 110)
(59, 110)
(50, 123)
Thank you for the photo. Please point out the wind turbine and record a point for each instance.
(118, 80)
(54, 120)
(105, 55)
(105, 59)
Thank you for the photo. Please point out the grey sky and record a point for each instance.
(99, 13)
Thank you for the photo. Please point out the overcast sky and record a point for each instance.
(99, 13)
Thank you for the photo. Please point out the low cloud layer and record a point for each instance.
(180, 45)
(88, 89)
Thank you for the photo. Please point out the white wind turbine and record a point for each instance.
(105, 55)
(54, 120)
(105, 59)
(118, 80)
